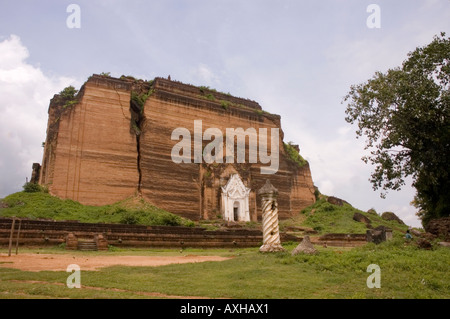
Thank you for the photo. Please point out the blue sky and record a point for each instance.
(296, 58)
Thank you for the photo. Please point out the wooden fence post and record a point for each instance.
(11, 236)
(18, 234)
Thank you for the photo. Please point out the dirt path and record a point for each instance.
(54, 262)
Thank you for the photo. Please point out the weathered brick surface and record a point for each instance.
(340, 240)
(93, 155)
(42, 233)
(71, 241)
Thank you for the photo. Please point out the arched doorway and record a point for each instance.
(236, 211)
(235, 195)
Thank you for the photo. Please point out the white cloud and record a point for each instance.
(337, 170)
(25, 93)
(12, 58)
(326, 186)
(203, 75)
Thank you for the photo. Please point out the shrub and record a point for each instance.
(170, 220)
(140, 99)
(327, 207)
(189, 223)
(225, 105)
(129, 218)
(32, 188)
(68, 96)
(68, 93)
(316, 193)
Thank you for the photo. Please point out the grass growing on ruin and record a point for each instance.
(294, 155)
(45, 206)
(325, 217)
(406, 272)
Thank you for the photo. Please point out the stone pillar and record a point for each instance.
(271, 234)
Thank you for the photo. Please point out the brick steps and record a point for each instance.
(87, 245)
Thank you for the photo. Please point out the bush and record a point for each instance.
(140, 99)
(327, 207)
(189, 223)
(316, 193)
(32, 188)
(170, 220)
(68, 96)
(68, 93)
(129, 218)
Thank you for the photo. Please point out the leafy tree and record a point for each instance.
(404, 115)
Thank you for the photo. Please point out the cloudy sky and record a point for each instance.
(296, 58)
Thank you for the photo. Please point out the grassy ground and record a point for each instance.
(322, 216)
(130, 211)
(328, 218)
(406, 272)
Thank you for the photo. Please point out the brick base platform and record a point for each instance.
(50, 233)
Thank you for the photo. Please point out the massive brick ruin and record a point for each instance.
(106, 147)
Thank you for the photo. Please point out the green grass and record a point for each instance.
(294, 155)
(406, 272)
(46, 206)
(328, 218)
(321, 216)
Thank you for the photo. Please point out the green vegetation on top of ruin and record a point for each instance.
(294, 155)
(208, 94)
(325, 217)
(41, 205)
(207, 88)
(68, 96)
(141, 98)
(226, 104)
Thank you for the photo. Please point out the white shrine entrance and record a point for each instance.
(235, 200)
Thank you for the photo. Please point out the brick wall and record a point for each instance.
(48, 233)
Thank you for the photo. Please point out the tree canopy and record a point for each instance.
(404, 115)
